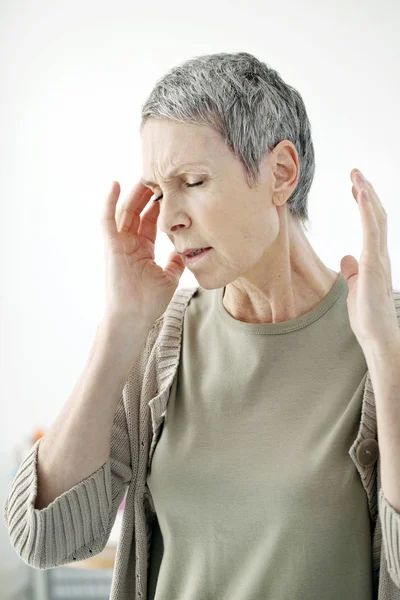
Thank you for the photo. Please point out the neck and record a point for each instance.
(297, 282)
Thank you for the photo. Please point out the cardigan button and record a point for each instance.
(368, 452)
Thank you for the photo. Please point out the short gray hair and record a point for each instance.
(250, 106)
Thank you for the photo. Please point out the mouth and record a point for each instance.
(196, 257)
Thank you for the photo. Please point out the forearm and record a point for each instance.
(78, 442)
(384, 369)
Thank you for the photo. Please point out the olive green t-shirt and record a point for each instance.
(255, 493)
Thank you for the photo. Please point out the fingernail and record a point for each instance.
(361, 177)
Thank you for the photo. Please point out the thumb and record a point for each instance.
(348, 267)
(175, 266)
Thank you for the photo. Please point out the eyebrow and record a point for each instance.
(174, 172)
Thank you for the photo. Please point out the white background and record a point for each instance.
(74, 76)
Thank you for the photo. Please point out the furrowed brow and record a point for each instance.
(173, 172)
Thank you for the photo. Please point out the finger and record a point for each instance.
(377, 205)
(133, 205)
(108, 216)
(148, 222)
(375, 210)
(371, 235)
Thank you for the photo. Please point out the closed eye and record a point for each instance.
(187, 185)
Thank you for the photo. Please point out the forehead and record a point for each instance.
(175, 171)
(171, 147)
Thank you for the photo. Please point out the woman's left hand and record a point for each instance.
(370, 303)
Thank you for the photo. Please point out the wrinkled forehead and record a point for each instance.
(170, 149)
(169, 141)
(174, 172)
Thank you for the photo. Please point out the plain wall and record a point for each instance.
(73, 78)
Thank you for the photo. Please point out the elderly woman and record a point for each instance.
(240, 416)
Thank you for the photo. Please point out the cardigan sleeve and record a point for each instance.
(390, 520)
(78, 523)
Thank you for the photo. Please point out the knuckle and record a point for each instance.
(383, 217)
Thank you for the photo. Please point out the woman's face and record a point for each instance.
(239, 223)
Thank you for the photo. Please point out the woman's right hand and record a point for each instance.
(136, 286)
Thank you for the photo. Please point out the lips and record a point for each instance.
(189, 251)
(198, 251)
(197, 257)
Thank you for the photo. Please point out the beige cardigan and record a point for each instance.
(77, 524)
